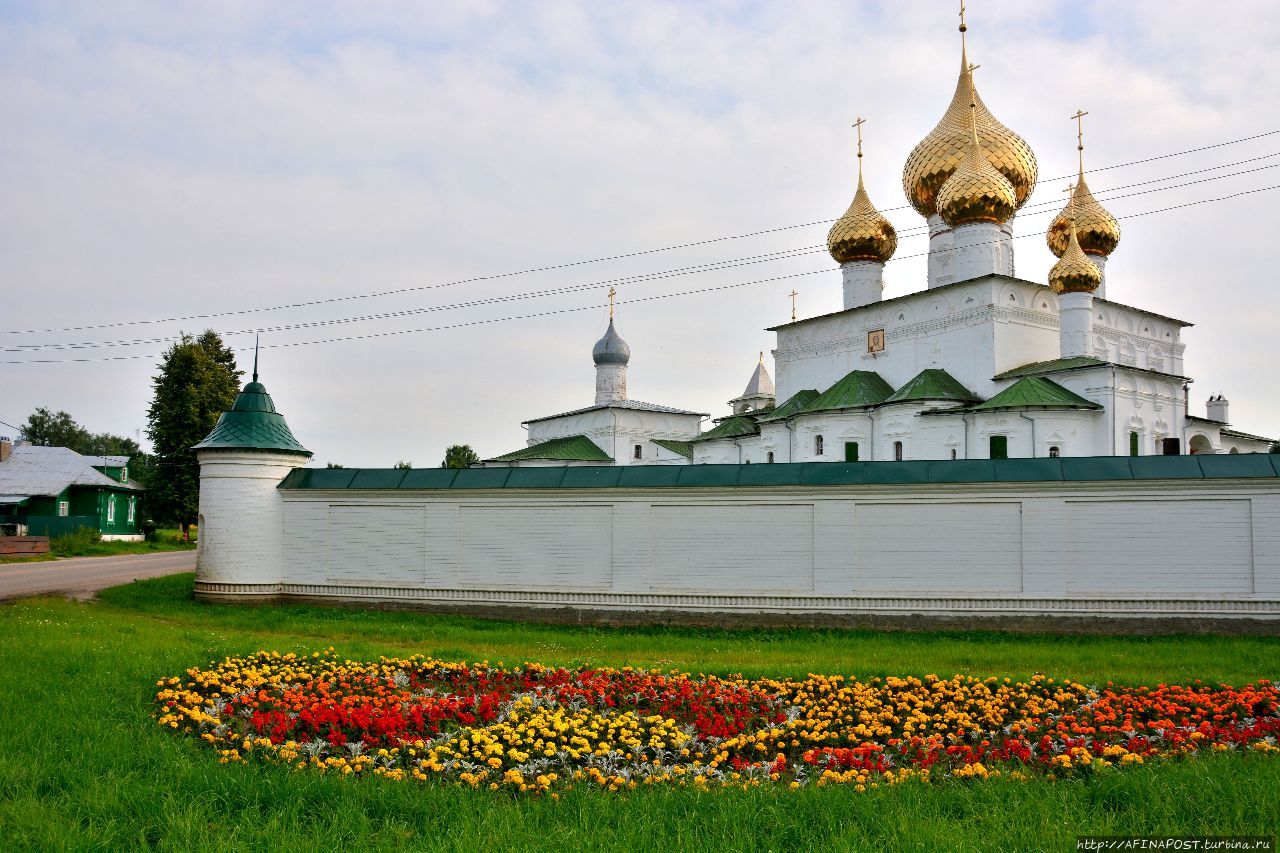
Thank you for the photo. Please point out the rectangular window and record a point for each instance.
(999, 447)
(1171, 447)
(851, 451)
(132, 510)
(124, 474)
(1133, 444)
(111, 509)
(636, 454)
(64, 508)
(817, 445)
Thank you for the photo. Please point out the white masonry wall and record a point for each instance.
(1144, 548)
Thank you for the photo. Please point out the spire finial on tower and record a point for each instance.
(793, 294)
(255, 358)
(857, 125)
(762, 356)
(964, 28)
(612, 294)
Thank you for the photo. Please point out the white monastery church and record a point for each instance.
(1083, 494)
(980, 364)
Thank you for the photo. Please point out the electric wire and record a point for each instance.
(635, 300)
(788, 254)
(570, 264)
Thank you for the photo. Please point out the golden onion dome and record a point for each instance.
(976, 190)
(1097, 230)
(863, 233)
(938, 155)
(1074, 272)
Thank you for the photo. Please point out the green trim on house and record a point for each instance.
(1035, 392)
(734, 427)
(570, 448)
(252, 424)
(933, 383)
(680, 448)
(795, 403)
(858, 388)
(1075, 469)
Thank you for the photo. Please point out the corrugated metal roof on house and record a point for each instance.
(46, 471)
(819, 474)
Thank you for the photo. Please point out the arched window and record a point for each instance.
(817, 445)
(897, 451)
(638, 453)
(1133, 443)
(1054, 452)
(769, 457)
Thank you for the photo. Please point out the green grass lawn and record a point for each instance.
(79, 544)
(84, 766)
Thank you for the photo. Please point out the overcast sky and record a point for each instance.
(159, 160)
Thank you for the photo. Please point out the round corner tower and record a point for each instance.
(240, 555)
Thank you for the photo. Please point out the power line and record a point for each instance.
(489, 321)
(717, 266)
(570, 264)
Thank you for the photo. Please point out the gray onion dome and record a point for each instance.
(611, 349)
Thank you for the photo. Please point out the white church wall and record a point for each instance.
(1111, 548)
(618, 431)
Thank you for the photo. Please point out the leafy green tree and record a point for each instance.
(59, 429)
(1275, 448)
(197, 382)
(459, 456)
(404, 465)
(333, 465)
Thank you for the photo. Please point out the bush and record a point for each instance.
(79, 541)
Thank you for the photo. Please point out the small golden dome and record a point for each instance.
(863, 233)
(1074, 272)
(939, 154)
(976, 190)
(1097, 231)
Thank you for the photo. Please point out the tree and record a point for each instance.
(459, 456)
(197, 382)
(404, 465)
(1275, 448)
(59, 429)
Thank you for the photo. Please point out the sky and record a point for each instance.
(412, 178)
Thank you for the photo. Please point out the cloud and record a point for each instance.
(166, 161)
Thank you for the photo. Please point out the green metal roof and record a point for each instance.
(1036, 392)
(802, 474)
(858, 388)
(794, 403)
(731, 428)
(252, 424)
(682, 448)
(1052, 366)
(571, 448)
(1235, 433)
(933, 384)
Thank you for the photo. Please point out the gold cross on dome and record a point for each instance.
(1079, 120)
(1070, 188)
(857, 125)
(612, 293)
(793, 294)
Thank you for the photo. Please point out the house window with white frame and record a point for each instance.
(111, 509)
(64, 508)
(133, 508)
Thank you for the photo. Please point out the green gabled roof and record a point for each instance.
(681, 448)
(252, 424)
(1051, 366)
(1037, 392)
(732, 428)
(933, 384)
(571, 448)
(858, 388)
(794, 403)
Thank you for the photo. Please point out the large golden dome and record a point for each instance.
(1097, 231)
(863, 233)
(1074, 272)
(938, 155)
(976, 190)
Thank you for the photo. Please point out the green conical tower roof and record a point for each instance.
(252, 424)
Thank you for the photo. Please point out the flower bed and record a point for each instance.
(537, 728)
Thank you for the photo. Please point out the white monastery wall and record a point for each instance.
(1134, 548)
(618, 431)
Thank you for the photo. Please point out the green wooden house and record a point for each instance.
(49, 491)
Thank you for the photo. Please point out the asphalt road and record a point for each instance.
(82, 577)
